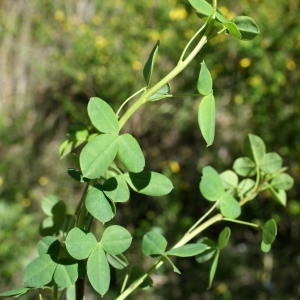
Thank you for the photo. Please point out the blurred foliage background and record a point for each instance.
(55, 55)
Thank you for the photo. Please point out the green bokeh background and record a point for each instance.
(55, 55)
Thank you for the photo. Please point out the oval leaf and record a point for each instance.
(271, 163)
(102, 116)
(245, 187)
(118, 262)
(187, 250)
(204, 84)
(207, 254)
(49, 245)
(148, 69)
(244, 166)
(98, 270)
(224, 237)
(98, 205)
(66, 272)
(116, 189)
(15, 292)
(207, 118)
(202, 7)
(265, 247)
(211, 187)
(149, 183)
(282, 182)
(254, 148)
(116, 239)
(269, 231)
(80, 243)
(98, 154)
(229, 207)
(130, 153)
(40, 271)
(247, 27)
(153, 244)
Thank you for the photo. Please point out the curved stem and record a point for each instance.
(143, 89)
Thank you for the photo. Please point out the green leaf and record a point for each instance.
(269, 231)
(207, 118)
(279, 196)
(66, 272)
(209, 170)
(254, 148)
(175, 269)
(98, 154)
(231, 27)
(148, 69)
(137, 272)
(102, 116)
(130, 153)
(224, 237)
(229, 207)
(282, 182)
(49, 245)
(116, 189)
(202, 7)
(187, 250)
(149, 183)
(244, 166)
(53, 206)
(116, 239)
(71, 293)
(229, 179)
(80, 243)
(213, 269)
(160, 94)
(204, 84)
(117, 261)
(245, 186)
(98, 205)
(40, 271)
(247, 27)
(271, 163)
(98, 270)
(265, 247)
(15, 292)
(68, 146)
(208, 253)
(211, 186)
(153, 244)
(77, 175)
(51, 226)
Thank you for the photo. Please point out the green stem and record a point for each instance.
(141, 90)
(124, 282)
(55, 292)
(241, 222)
(181, 66)
(203, 217)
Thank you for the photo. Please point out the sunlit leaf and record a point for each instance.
(229, 207)
(116, 239)
(254, 148)
(229, 179)
(80, 243)
(149, 183)
(153, 243)
(244, 166)
(245, 186)
(40, 271)
(247, 27)
(98, 270)
(265, 247)
(130, 153)
(282, 182)
(66, 272)
(98, 154)
(148, 69)
(271, 163)
(98, 205)
(102, 116)
(204, 84)
(116, 189)
(202, 6)
(211, 186)
(207, 118)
